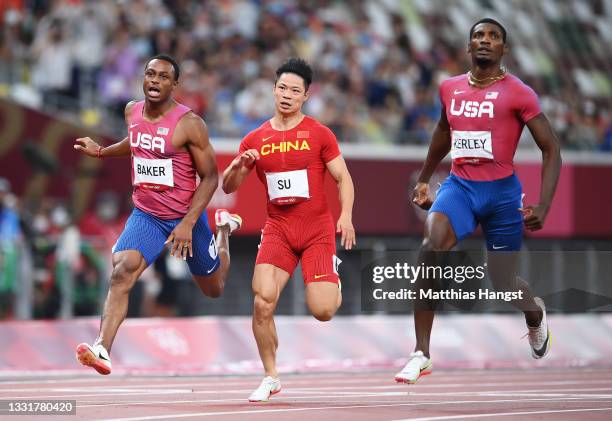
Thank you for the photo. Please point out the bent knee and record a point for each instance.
(210, 288)
(434, 244)
(324, 315)
(213, 291)
(263, 307)
(122, 279)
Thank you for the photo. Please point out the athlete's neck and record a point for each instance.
(485, 71)
(155, 110)
(284, 122)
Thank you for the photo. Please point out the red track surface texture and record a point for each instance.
(567, 394)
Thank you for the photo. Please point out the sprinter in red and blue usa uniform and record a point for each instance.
(483, 115)
(291, 154)
(169, 148)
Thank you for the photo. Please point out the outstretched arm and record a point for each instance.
(91, 148)
(547, 141)
(338, 170)
(438, 149)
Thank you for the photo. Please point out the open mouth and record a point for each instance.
(284, 104)
(153, 92)
(483, 50)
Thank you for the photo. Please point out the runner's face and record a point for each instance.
(487, 44)
(158, 81)
(289, 93)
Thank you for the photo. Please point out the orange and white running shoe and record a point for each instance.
(94, 356)
(418, 365)
(224, 218)
(269, 386)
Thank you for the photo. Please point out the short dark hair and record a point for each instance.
(169, 59)
(491, 21)
(297, 66)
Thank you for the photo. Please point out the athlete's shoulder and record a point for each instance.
(522, 98)
(452, 85)
(453, 81)
(191, 123)
(314, 129)
(255, 134)
(311, 123)
(189, 117)
(130, 107)
(257, 131)
(517, 84)
(181, 108)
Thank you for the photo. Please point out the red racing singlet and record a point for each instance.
(292, 166)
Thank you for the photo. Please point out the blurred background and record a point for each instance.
(68, 67)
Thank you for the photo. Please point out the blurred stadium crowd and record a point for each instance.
(378, 63)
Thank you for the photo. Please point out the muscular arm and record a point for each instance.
(203, 156)
(548, 143)
(338, 170)
(193, 135)
(438, 149)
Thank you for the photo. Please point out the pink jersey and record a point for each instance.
(486, 124)
(163, 177)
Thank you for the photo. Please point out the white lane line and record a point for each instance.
(71, 395)
(317, 408)
(504, 414)
(292, 399)
(209, 384)
(539, 392)
(84, 375)
(127, 391)
(102, 391)
(549, 395)
(289, 380)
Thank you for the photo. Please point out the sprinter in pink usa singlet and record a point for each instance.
(163, 177)
(170, 151)
(482, 117)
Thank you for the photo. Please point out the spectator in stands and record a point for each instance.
(90, 28)
(190, 91)
(9, 218)
(9, 235)
(51, 72)
(606, 144)
(119, 72)
(583, 132)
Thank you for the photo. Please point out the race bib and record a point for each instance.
(470, 147)
(287, 188)
(153, 174)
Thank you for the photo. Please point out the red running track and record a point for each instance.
(541, 394)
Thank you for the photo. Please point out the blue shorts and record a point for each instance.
(147, 234)
(492, 204)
